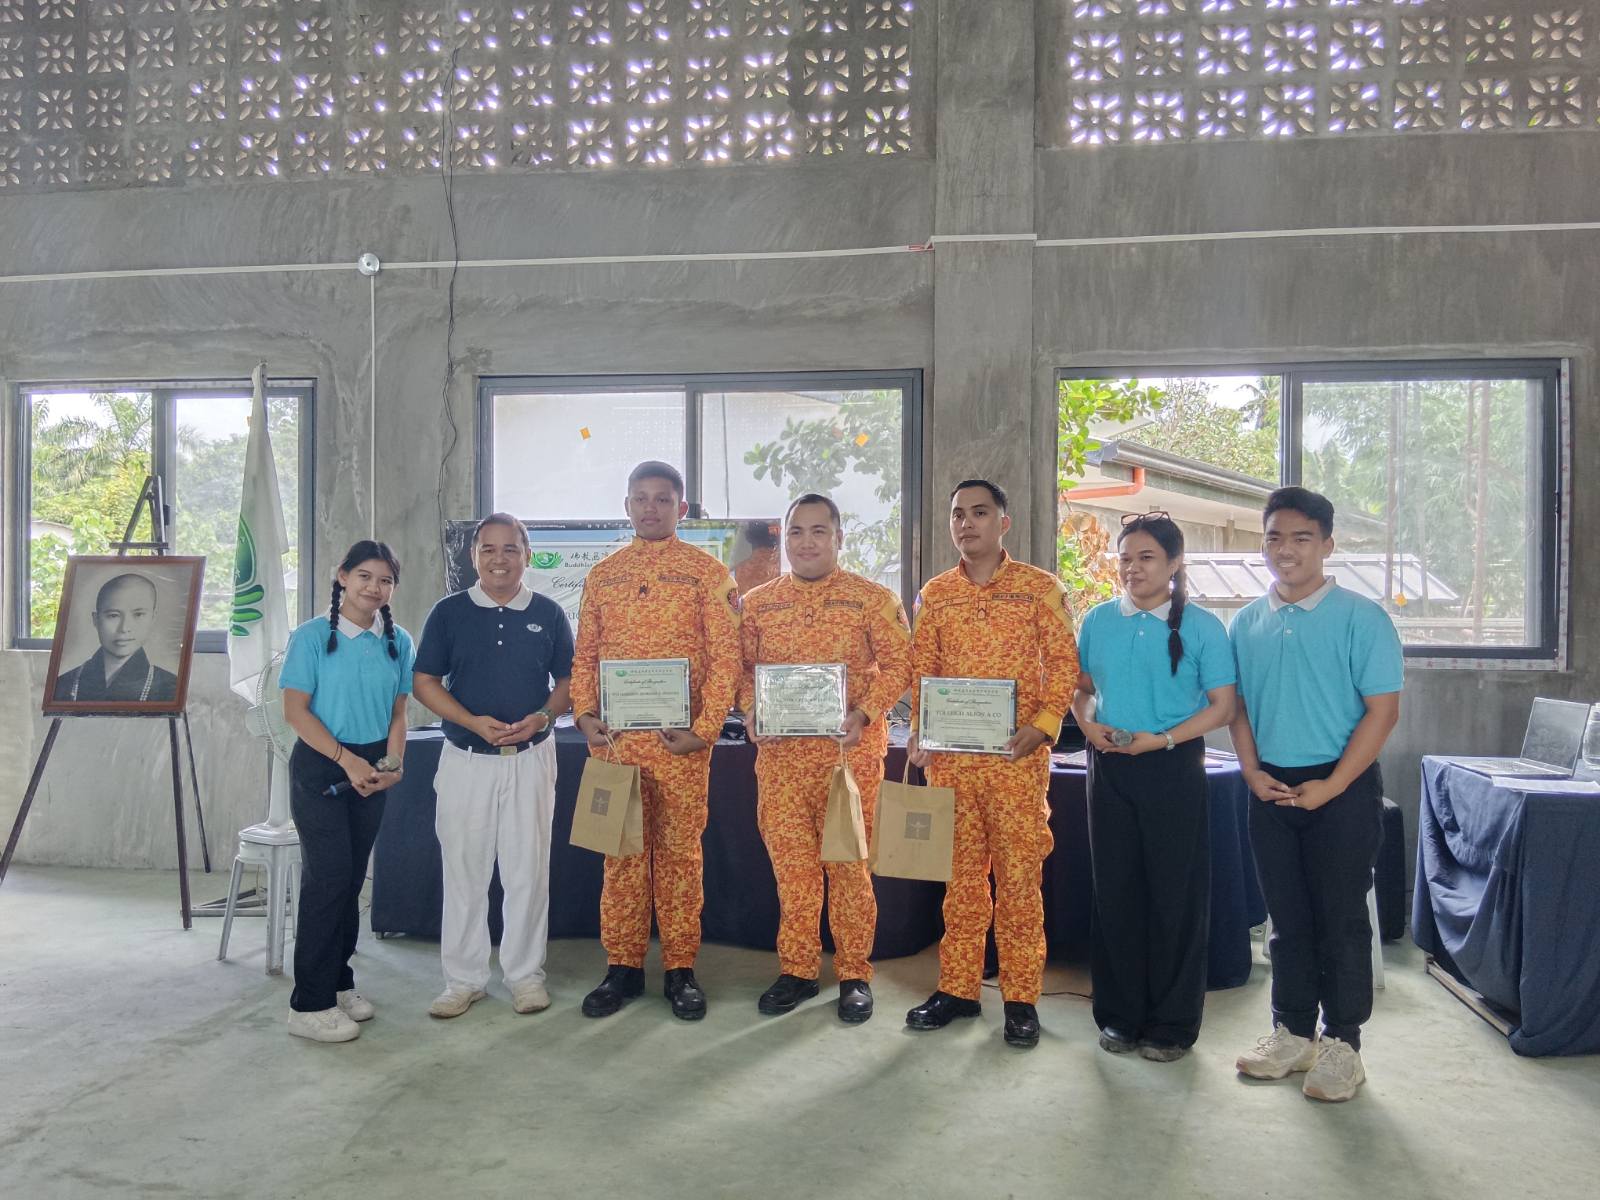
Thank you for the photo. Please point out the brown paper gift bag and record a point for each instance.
(609, 815)
(844, 827)
(914, 836)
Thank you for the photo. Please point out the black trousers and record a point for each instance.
(336, 836)
(1315, 869)
(1150, 846)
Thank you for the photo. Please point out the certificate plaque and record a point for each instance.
(967, 716)
(799, 699)
(644, 693)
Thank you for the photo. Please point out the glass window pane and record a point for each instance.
(212, 433)
(565, 455)
(90, 455)
(1202, 448)
(1434, 483)
(761, 449)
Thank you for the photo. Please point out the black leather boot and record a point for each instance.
(855, 1001)
(1022, 1024)
(620, 985)
(688, 1001)
(939, 1009)
(785, 994)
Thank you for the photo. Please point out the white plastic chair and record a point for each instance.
(277, 849)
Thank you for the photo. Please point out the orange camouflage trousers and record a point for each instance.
(792, 776)
(668, 875)
(1003, 825)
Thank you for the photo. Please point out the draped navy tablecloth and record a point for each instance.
(1506, 898)
(741, 905)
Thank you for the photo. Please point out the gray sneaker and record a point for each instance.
(329, 1025)
(1278, 1054)
(1162, 1051)
(454, 1001)
(1338, 1072)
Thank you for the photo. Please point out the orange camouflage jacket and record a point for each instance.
(663, 599)
(839, 618)
(1016, 626)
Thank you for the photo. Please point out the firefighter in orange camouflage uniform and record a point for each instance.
(991, 617)
(658, 598)
(818, 613)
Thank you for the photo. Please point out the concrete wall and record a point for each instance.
(1315, 299)
(988, 322)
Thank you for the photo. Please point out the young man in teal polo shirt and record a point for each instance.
(1320, 672)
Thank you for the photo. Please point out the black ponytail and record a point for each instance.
(363, 551)
(1169, 537)
(333, 617)
(394, 650)
(1180, 597)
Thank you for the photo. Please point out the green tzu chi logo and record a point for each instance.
(247, 589)
(546, 560)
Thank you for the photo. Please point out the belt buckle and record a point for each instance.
(507, 751)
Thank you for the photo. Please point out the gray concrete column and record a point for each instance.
(979, 415)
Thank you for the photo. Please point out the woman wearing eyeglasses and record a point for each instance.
(1157, 675)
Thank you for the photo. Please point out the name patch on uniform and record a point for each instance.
(689, 579)
(855, 604)
(1025, 597)
(776, 606)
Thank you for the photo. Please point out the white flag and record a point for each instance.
(260, 624)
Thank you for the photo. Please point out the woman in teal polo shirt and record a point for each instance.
(345, 680)
(1161, 670)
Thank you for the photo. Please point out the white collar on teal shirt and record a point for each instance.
(351, 630)
(520, 601)
(1160, 611)
(1275, 601)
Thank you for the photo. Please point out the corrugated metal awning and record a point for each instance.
(1232, 579)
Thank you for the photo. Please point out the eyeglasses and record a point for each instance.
(1157, 514)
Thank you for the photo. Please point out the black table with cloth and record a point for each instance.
(1506, 900)
(741, 905)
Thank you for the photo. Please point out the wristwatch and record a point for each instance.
(548, 719)
(389, 765)
(1167, 733)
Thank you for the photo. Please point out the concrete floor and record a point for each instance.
(132, 1063)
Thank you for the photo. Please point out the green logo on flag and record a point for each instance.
(247, 590)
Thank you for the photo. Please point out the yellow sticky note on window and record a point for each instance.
(584, 433)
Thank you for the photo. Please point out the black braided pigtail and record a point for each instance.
(333, 617)
(388, 632)
(1180, 597)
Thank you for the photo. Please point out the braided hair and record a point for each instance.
(1169, 537)
(366, 550)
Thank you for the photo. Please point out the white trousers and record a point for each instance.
(495, 806)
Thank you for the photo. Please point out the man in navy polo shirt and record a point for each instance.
(1320, 671)
(494, 663)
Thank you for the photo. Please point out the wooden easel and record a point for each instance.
(149, 497)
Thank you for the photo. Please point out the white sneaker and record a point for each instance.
(529, 997)
(329, 1025)
(1338, 1071)
(1278, 1054)
(355, 1006)
(454, 1001)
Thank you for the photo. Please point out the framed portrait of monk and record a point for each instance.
(124, 635)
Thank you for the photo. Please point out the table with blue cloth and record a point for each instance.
(1506, 901)
(741, 905)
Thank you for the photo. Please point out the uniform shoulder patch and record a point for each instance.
(728, 592)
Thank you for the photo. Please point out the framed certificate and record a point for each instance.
(644, 693)
(799, 699)
(967, 716)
